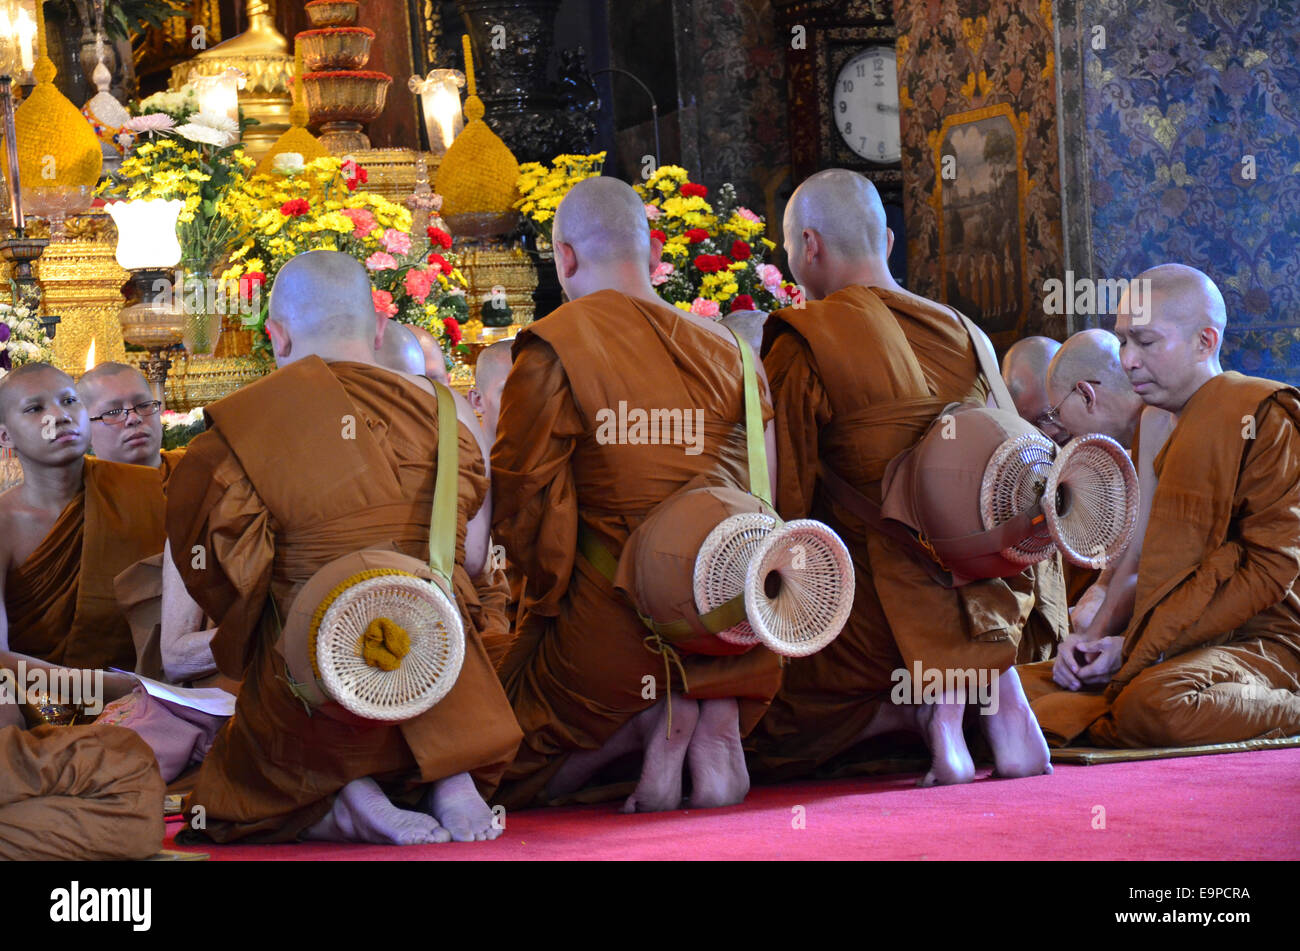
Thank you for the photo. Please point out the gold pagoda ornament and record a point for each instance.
(296, 141)
(478, 173)
(57, 148)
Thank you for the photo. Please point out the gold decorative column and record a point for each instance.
(262, 54)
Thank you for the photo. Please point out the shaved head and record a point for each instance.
(435, 364)
(400, 350)
(42, 418)
(13, 387)
(1024, 368)
(321, 303)
(490, 374)
(603, 219)
(1105, 403)
(1170, 325)
(845, 209)
(136, 439)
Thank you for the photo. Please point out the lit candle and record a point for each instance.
(90, 356)
(440, 98)
(219, 95)
(26, 32)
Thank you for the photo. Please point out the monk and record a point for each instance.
(1205, 648)
(1024, 368)
(71, 526)
(328, 455)
(435, 364)
(582, 682)
(490, 374)
(126, 420)
(857, 376)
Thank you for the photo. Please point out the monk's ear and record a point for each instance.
(889, 242)
(381, 324)
(566, 259)
(656, 252)
(280, 342)
(475, 399)
(5, 439)
(812, 245)
(1088, 393)
(1208, 339)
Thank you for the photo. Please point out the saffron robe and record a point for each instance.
(856, 379)
(84, 793)
(302, 467)
(61, 603)
(1212, 651)
(578, 667)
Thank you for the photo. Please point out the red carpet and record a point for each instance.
(1236, 806)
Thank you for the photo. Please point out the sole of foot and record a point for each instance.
(1019, 749)
(950, 760)
(362, 813)
(456, 804)
(715, 756)
(660, 786)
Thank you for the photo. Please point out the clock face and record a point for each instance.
(865, 105)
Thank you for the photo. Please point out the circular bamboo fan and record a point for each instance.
(424, 675)
(799, 588)
(1091, 500)
(722, 563)
(1014, 480)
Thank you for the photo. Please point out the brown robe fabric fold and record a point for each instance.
(577, 667)
(61, 602)
(80, 793)
(856, 379)
(1212, 653)
(273, 491)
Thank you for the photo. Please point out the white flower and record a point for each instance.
(288, 163)
(210, 129)
(153, 122)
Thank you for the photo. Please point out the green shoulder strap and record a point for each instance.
(760, 484)
(442, 525)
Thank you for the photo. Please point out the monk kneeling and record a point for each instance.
(329, 455)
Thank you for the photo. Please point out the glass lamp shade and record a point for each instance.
(219, 95)
(439, 94)
(146, 232)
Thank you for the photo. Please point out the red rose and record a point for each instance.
(295, 207)
(691, 190)
(452, 326)
(439, 237)
(658, 235)
(249, 284)
(742, 302)
(696, 235)
(740, 250)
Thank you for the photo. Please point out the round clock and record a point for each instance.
(865, 105)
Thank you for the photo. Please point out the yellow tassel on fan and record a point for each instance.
(296, 138)
(56, 145)
(478, 173)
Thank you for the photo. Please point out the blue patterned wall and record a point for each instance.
(1182, 91)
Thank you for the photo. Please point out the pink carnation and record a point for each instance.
(747, 214)
(417, 283)
(363, 221)
(770, 275)
(663, 270)
(380, 261)
(704, 308)
(652, 212)
(383, 303)
(396, 242)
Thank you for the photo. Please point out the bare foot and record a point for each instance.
(717, 761)
(578, 768)
(1013, 731)
(950, 762)
(362, 813)
(660, 787)
(456, 804)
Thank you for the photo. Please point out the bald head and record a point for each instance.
(1087, 383)
(42, 417)
(490, 374)
(1024, 368)
(400, 350)
(114, 388)
(321, 303)
(604, 221)
(109, 375)
(1170, 325)
(844, 208)
(435, 364)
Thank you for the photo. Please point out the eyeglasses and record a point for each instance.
(1050, 417)
(117, 417)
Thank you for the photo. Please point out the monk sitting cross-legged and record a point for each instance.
(1204, 647)
(582, 682)
(858, 374)
(329, 455)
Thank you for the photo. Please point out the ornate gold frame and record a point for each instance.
(936, 140)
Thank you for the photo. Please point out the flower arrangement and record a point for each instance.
(320, 206)
(541, 189)
(713, 253)
(22, 338)
(180, 428)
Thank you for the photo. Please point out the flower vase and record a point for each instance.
(204, 308)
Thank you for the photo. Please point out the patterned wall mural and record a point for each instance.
(1191, 153)
(977, 83)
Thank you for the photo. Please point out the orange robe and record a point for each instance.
(856, 379)
(575, 670)
(1212, 652)
(80, 793)
(272, 491)
(61, 603)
